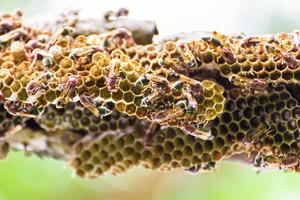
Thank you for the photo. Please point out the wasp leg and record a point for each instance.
(149, 134)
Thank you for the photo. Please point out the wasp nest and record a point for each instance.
(106, 104)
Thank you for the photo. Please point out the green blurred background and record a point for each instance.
(34, 178)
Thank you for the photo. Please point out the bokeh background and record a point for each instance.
(34, 178)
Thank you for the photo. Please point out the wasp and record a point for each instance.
(39, 83)
(239, 80)
(249, 85)
(201, 132)
(166, 61)
(218, 41)
(159, 83)
(186, 54)
(17, 34)
(250, 42)
(19, 109)
(83, 51)
(68, 86)
(89, 103)
(165, 116)
(113, 77)
(258, 85)
(190, 81)
(159, 87)
(225, 48)
(288, 58)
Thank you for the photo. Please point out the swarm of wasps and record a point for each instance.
(106, 104)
